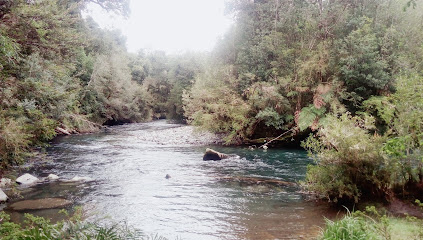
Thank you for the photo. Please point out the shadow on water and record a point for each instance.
(129, 163)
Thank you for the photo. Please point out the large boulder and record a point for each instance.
(3, 196)
(27, 179)
(211, 154)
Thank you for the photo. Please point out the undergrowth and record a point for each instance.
(372, 225)
(74, 228)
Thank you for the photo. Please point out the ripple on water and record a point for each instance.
(129, 164)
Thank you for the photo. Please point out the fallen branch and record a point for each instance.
(264, 146)
(62, 131)
(85, 120)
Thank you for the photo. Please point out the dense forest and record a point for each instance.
(62, 72)
(347, 72)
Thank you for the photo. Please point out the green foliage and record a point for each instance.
(349, 163)
(309, 115)
(314, 56)
(363, 67)
(349, 227)
(14, 141)
(122, 98)
(39, 228)
(271, 118)
(9, 50)
(404, 146)
(84, 66)
(372, 225)
(380, 107)
(212, 104)
(401, 113)
(51, 77)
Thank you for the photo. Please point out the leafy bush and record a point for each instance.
(402, 113)
(123, 100)
(213, 105)
(363, 66)
(14, 141)
(349, 162)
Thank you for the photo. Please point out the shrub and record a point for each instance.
(14, 141)
(349, 162)
(123, 100)
(213, 105)
(402, 114)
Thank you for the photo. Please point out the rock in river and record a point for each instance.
(80, 179)
(52, 177)
(45, 203)
(27, 179)
(213, 155)
(3, 196)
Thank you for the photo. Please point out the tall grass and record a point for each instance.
(372, 225)
(349, 227)
(38, 228)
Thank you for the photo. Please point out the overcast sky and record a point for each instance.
(169, 25)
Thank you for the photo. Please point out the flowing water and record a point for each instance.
(129, 163)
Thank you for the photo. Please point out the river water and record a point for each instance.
(128, 165)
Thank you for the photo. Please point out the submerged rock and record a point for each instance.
(45, 203)
(3, 196)
(27, 179)
(5, 182)
(211, 154)
(52, 177)
(257, 181)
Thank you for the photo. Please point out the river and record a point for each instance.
(128, 165)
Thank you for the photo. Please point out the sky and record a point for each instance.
(169, 25)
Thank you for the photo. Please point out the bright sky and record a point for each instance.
(169, 25)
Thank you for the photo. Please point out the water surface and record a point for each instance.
(129, 163)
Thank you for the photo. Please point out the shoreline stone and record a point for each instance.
(27, 179)
(3, 196)
(44, 203)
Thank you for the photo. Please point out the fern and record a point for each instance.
(309, 115)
